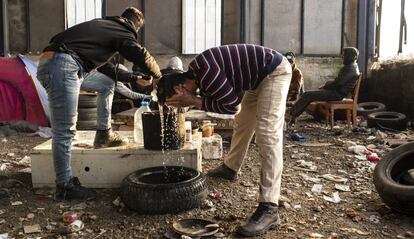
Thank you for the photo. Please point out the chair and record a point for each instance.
(350, 105)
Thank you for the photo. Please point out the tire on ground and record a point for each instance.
(390, 179)
(87, 100)
(87, 114)
(387, 120)
(366, 108)
(146, 198)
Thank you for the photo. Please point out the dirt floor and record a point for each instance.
(305, 214)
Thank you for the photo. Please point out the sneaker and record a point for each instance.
(223, 172)
(73, 190)
(263, 219)
(108, 138)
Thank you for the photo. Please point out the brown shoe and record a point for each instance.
(263, 219)
(223, 172)
(107, 138)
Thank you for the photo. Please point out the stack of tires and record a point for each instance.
(87, 113)
(366, 108)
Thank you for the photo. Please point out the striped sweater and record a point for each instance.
(224, 73)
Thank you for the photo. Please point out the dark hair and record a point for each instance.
(165, 86)
(290, 56)
(135, 16)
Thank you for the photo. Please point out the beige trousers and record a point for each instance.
(262, 113)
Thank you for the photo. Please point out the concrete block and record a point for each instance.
(212, 147)
(106, 168)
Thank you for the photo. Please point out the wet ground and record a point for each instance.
(347, 209)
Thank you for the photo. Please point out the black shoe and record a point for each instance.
(290, 120)
(264, 218)
(74, 191)
(107, 138)
(223, 172)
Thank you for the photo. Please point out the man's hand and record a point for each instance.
(183, 98)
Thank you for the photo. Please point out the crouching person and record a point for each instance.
(252, 82)
(70, 55)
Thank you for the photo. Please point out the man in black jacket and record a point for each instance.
(70, 55)
(337, 89)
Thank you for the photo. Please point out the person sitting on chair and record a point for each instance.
(296, 87)
(341, 87)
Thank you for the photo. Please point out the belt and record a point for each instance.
(48, 54)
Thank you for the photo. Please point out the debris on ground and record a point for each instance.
(346, 198)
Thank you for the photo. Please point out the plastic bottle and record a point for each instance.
(138, 130)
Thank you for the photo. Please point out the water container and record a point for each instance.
(138, 131)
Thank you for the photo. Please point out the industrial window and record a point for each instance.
(396, 29)
(201, 25)
(78, 11)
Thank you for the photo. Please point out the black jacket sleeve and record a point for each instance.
(140, 56)
(116, 74)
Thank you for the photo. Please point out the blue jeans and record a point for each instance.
(62, 77)
(105, 86)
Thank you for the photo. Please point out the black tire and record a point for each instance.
(391, 182)
(144, 197)
(87, 125)
(87, 100)
(366, 108)
(387, 120)
(87, 114)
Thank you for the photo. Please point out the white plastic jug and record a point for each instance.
(138, 130)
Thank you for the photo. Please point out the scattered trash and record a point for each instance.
(16, 203)
(354, 230)
(334, 199)
(4, 236)
(44, 132)
(314, 235)
(354, 215)
(247, 184)
(380, 135)
(316, 188)
(307, 165)
(195, 227)
(219, 235)
(343, 188)
(83, 145)
(207, 204)
(76, 225)
(32, 229)
(30, 216)
(373, 157)
(310, 179)
(69, 216)
(297, 207)
(79, 207)
(374, 219)
(295, 137)
(358, 149)
(217, 196)
(334, 178)
(315, 144)
(290, 228)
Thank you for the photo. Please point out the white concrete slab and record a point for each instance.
(106, 168)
